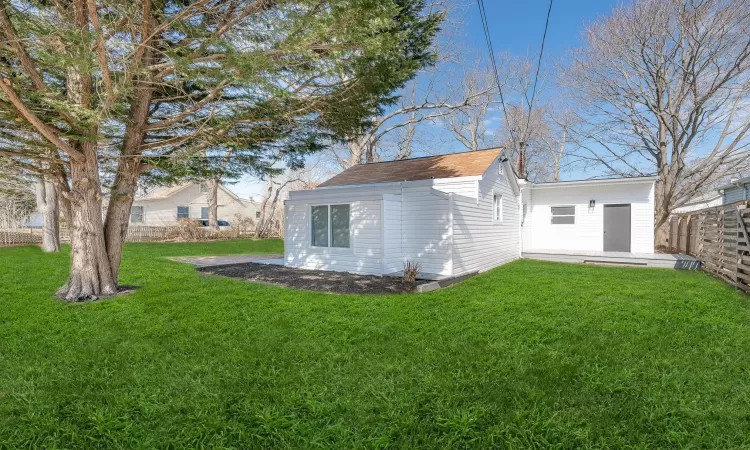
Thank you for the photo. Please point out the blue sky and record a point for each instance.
(516, 27)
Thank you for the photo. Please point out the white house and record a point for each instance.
(166, 205)
(458, 214)
(711, 199)
(736, 191)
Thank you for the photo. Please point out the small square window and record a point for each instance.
(183, 212)
(202, 188)
(329, 225)
(136, 214)
(257, 214)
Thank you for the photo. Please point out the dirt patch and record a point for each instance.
(313, 280)
(122, 290)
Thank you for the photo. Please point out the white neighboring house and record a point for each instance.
(704, 201)
(166, 205)
(736, 191)
(458, 214)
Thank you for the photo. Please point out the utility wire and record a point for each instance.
(485, 27)
(538, 65)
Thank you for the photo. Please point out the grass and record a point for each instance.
(529, 355)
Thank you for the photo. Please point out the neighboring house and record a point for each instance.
(34, 220)
(166, 205)
(736, 191)
(704, 201)
(457, 214)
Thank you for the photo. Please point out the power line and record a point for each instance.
(485, 27)
(538, 65)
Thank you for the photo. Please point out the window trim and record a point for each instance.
(143, 214)
(552, 215)
(207, 212)
(497, 218)
(178, 212)
(330, 246)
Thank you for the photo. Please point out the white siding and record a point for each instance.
(392, 233)
(467, 188)
(479, 242)
(588, 231)
(425, 228)
(364, 254)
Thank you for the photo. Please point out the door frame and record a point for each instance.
(630, 224)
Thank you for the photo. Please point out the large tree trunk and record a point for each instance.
(118, 212)
(90, 270)
(662, 210)
(46, 200)
(128, 172)
(213, 204)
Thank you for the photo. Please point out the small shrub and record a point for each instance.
(411, 270)
(188, 230)
(242, 226)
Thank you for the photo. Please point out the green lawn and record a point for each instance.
(531, 354)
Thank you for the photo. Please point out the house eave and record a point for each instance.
(595, 182)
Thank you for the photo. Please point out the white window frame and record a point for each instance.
(202, 188)
(330, 227)
(497, 197)
(178, 212)
(143, 214)
(552, 215)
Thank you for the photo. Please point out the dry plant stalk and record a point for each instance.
(411, 270)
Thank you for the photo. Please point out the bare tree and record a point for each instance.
(525, 123)
(558, 119)
(271, 220)
(665, 89)
(16, 196)
(420, 106)
(469, 123)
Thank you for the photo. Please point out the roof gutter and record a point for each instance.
(578, 183)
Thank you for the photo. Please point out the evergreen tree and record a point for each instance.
(129, 86)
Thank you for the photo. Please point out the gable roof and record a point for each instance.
(164, 192)
(454, 165)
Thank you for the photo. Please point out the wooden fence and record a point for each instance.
(141, 233)
(719, 238)
(20, 236)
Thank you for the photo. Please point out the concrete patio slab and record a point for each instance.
(210, 261)
(663, 260)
